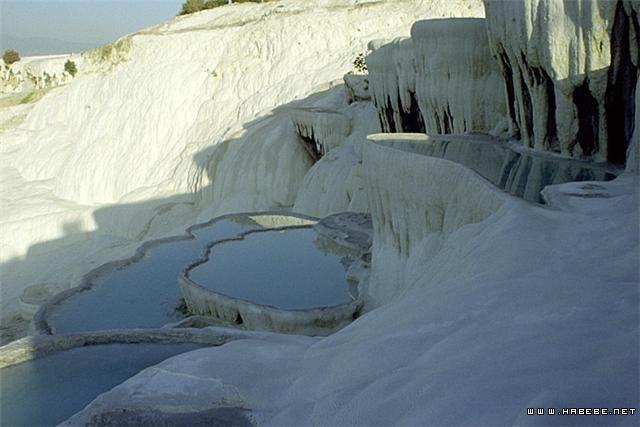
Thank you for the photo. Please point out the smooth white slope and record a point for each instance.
(532, 307)
(126, 145)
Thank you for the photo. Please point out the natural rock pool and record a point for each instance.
(521, 173)
(287, 269)
(138, 294)
(142, 292)
(296, 280)
(48, 390)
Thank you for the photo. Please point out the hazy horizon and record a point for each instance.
(46, 27)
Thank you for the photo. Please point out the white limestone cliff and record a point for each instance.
(458, 82)
(441, 80)
(320, 129)
(336, 182)
(570, 69)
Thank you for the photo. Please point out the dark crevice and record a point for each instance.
(239, 320)
(621, 84)
(390, 125)
(507, 75)
(552, 128)
(312, 147)
(588, 119)
(437, 120)
(527, 113)
(448, 112)
(446, 124)
(411, 116)
(381, 120)
(540, 78)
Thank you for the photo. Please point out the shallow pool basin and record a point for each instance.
(48, 390)
(287, 280)
(141, 292)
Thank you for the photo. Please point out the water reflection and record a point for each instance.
(519, 173)
(143, 294)
(48, 390)
(290, 269)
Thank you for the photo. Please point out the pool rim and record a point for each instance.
(41, 324)
(38, 346)
(321, 320)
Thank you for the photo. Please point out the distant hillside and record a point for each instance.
(43, 45)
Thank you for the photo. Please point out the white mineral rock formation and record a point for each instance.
(570, 69)
(173, 124)
(480, 305)
(458, 82)
(392, 84)
(357, 86)
(336, 182)
(441, 80)
(415, 205)
(320, 129)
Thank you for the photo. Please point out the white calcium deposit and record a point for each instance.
(415, 206)
(392, 76)
(445, 74)
(172, 124)
(479, 306)
(457, 76)
(563, 62)
(498, 317)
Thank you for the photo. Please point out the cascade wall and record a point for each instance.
(335, 183)
(320, 129)
(416, 202)
(570, 70)
(392, 77)
(441, 80)
(458, 83)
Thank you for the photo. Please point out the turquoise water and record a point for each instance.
(48, 390)
(286, 269)
(143, 294)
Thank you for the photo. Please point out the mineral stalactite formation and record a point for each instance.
(441, 80)
(570, 70)
(320, 130)
(393, 73)
(458, 82)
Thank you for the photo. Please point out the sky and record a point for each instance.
(63, 26)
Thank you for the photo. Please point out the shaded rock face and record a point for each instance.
(570, 69)
(357, 88)
(411, 223)
(320, 130)
(392, 85)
